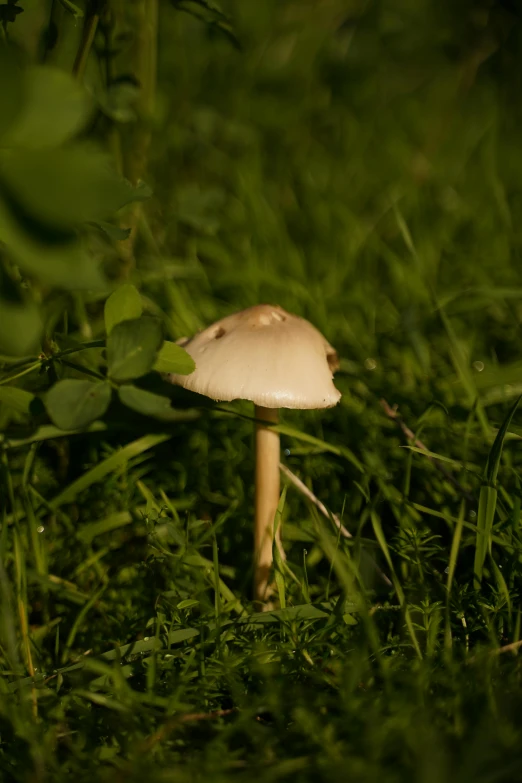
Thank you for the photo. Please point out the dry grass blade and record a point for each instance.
(298, 484)
(301, 486)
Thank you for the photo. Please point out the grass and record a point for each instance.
(352, 164)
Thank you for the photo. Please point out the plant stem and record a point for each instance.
(92, 17)
(49, 36)
(267, 497)
(113, 18)
(146, 46)
(296, 481)
(20, 374)
(145, 24)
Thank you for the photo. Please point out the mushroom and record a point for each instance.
(276, 360)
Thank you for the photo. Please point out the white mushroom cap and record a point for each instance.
(266, 355)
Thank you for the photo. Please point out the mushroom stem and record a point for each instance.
(267, 498)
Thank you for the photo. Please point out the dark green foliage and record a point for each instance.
(146, 402)
(173, 358)
(50, 107)
(50, 188)
(122, 305)
(359, 164)
(73, 404)
(20, 327)
(12, 90)
(132, 347)
(17, 399)
(46, 184)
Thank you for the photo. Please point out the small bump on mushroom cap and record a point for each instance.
(266, 355)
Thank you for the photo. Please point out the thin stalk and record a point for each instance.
(145, 70)
(90, 25)
(21, 601)
(49, 37)
(20, 374)
(267, 497)
(113, 16)
(296, 481)
(146, 55)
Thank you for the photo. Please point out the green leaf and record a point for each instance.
(174, 358)
(11, 90)
(20, 327)
(122, 305)
(74, 404)
(60, 260)
(55, 109)
(17, 399)
(132, 347)
(188, 603)
(149, 404)
(64, 188)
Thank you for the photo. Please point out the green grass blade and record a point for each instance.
(215, 563)
(112, 463)
(379, 535)
(278, 560)
(113, 522)
(463, 371)
(340, 451)
(486, 513)
(488, 497)
(455, 545)
(502, 587)
(495, 453)
(79, 620)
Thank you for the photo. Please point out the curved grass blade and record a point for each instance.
(488, 498)
(98, 473)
